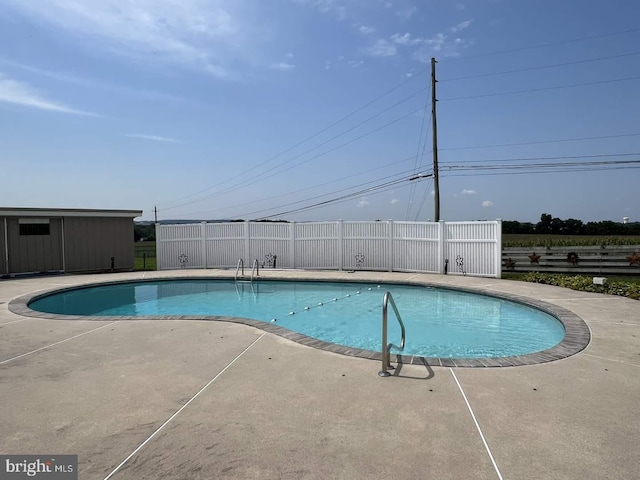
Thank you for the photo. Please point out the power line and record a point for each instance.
(541, 67)
(540, 89)
(601, 137)
(347, 131)
(314, 207)
(424, 198)
(386, 186)
(543, 45)
(562, 157)
(311, 137)
(333, 181)
(414, 187)
(370, 132)
(534, 172)
(476, 168)
(415, 165)
(261, 177)
(457, 168)
(286, 205)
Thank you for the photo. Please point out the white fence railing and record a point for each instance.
(471, 248)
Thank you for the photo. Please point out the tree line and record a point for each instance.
(549, 225)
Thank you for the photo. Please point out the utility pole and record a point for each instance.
(436, 181)
(155, 212)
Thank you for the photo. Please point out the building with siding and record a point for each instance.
(35, 240)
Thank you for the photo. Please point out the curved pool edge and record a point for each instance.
(577, 333)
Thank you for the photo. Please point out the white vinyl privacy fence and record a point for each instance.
(470, 248)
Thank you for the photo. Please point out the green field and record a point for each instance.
(145, 256)
(533, 240)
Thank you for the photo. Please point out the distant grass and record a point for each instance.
(145, 256)
(533, 240)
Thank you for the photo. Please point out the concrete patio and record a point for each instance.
(198, 399)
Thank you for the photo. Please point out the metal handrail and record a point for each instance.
(240, 265)
(386, 356)
(255, 267)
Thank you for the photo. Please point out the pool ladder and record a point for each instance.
(255, 269)
(386, 347)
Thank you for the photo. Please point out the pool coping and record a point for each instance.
(577, 333)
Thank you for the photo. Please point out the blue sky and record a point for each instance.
(254, 108)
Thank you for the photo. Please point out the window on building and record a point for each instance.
(34, 226)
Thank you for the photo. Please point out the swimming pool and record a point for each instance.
(439, 322)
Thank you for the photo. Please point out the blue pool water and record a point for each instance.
(439, 322)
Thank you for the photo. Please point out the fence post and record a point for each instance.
(203, 243)
(498, 249)
(390, 245)
(159, 247)
(292, 246)
(442, 242)
(340, 245)
(247, 240)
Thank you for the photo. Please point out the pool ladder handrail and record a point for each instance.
(386, 347)
(255, 268)
(240, 267)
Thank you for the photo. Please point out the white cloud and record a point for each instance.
(401, 39)
(460, 6)
(21, 93)
(327, 6)
(355, 63)
(363, 202)
(407, 13)
(461, 26)
(154, 138)
(93, 83)
(487, 203)
(197, 33)
(468, 192)
(282, 66)
(365, 30)
(406, 39)
(441, 44)
(394, 201)
(382, 48)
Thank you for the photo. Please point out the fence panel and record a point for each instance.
(179, 246)
(224, 244)
(182, 254)
(316, 245)
(270, 244)
(472, 248)
(365, 246)
(415, 247)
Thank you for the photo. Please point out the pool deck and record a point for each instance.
(195, 399)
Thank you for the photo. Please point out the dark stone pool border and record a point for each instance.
(577, 333)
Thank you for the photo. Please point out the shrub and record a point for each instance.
(585, 284)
